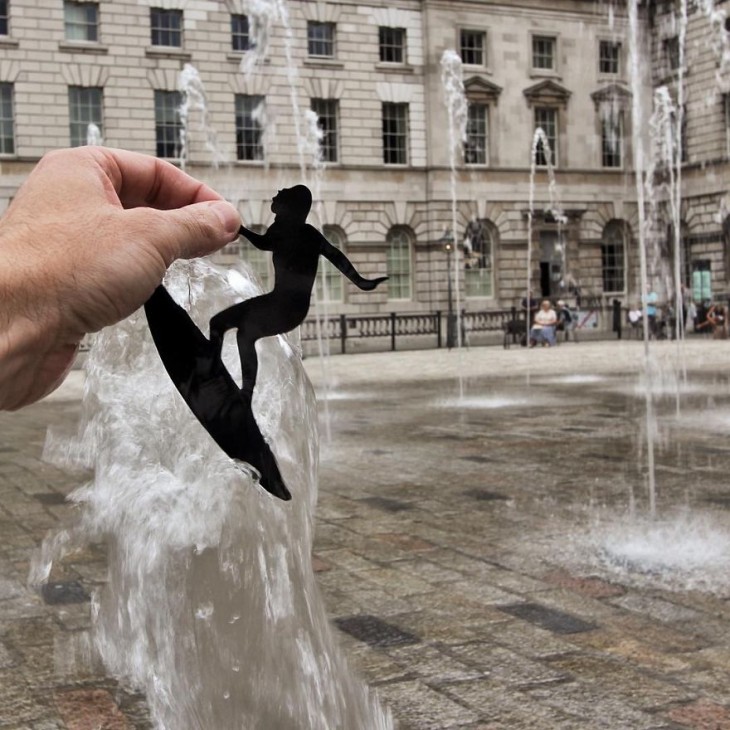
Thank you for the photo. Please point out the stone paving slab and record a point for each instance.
(446, 557)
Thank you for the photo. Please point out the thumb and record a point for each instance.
(195, 230)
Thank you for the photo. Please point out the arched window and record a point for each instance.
(399, 263)
(613, 257)
(259, 261)
(329, 279)
(480, 243)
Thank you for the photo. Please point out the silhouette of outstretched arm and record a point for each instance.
(261, 241)
(342, 263)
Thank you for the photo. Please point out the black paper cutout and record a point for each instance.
(194, 363)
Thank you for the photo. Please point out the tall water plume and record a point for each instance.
(211, 605)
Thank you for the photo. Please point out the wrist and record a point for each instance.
(33, 356)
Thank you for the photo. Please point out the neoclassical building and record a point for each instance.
(349, 97)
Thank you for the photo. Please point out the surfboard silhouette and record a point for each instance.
(195, 367)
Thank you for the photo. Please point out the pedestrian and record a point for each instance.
(543, 327)
(84, 243)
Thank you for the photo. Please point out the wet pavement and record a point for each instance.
(474, 508)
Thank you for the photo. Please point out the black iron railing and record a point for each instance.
(390, 327)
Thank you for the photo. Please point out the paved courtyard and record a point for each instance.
(470, 508)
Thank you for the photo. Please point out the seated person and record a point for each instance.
(635, 318)
(717, 321)
(543, 328)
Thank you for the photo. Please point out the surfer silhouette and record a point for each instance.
(194, 362)
(296, 248)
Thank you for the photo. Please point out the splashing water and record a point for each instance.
(93, 135)
(452, 83)
(194, 100)
(211, 606)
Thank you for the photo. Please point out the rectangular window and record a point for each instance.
(609, 57)
(612, 141)
(671, 52)
(240, 36)
(543, 53)
(326, 111)
(392, 45)
(473, 45)
(81, 21)
(546, 118)
(166, 27)
(612, 260)
(167, 123)
(259, 261)
(249, 127)
(321, 39)
(4, 19)
(398, 262)
(84, 109)
(395, 134)
(475, 148)
(7, 122)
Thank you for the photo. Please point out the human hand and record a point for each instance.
(84, 243)
(370, 284)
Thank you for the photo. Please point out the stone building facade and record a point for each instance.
(368, 75)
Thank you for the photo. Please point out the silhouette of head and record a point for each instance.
(293, 203)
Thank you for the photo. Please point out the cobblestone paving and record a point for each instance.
(447, 546)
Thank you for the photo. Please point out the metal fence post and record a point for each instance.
(437, 315)
(392, 330)
(343, 333)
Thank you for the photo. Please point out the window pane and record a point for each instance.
(612, 140)
(478, 260)
(7, 126)
(326, 111)
(249, 127)
(671, 52)
(543, 52)
(240, 38)
(395, 134)
(392, 45)
(80, 21)
(166, 27)
(4, 28)
(547, 120)
(167, 123)
(612, 258)
(321, 39)
(473, 44)
(329, 279)
(475, 149)
(85, 108)
(608, 59)
(399, 265)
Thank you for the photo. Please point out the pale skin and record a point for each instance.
(84, 243)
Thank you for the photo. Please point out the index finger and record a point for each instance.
(142, 180)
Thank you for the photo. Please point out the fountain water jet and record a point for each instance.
(211, 606)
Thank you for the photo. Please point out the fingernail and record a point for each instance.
(228, 216)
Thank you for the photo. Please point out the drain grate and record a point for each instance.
(388, 505)
(484, 495)
(373, 631)
(68, 592)
(547, 618)
(478, 459)
(50, 499)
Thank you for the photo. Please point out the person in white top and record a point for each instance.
(543, 328)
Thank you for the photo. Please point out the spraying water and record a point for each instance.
(452, 84)
(194, 100)
(211, 606)
(93, 135)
